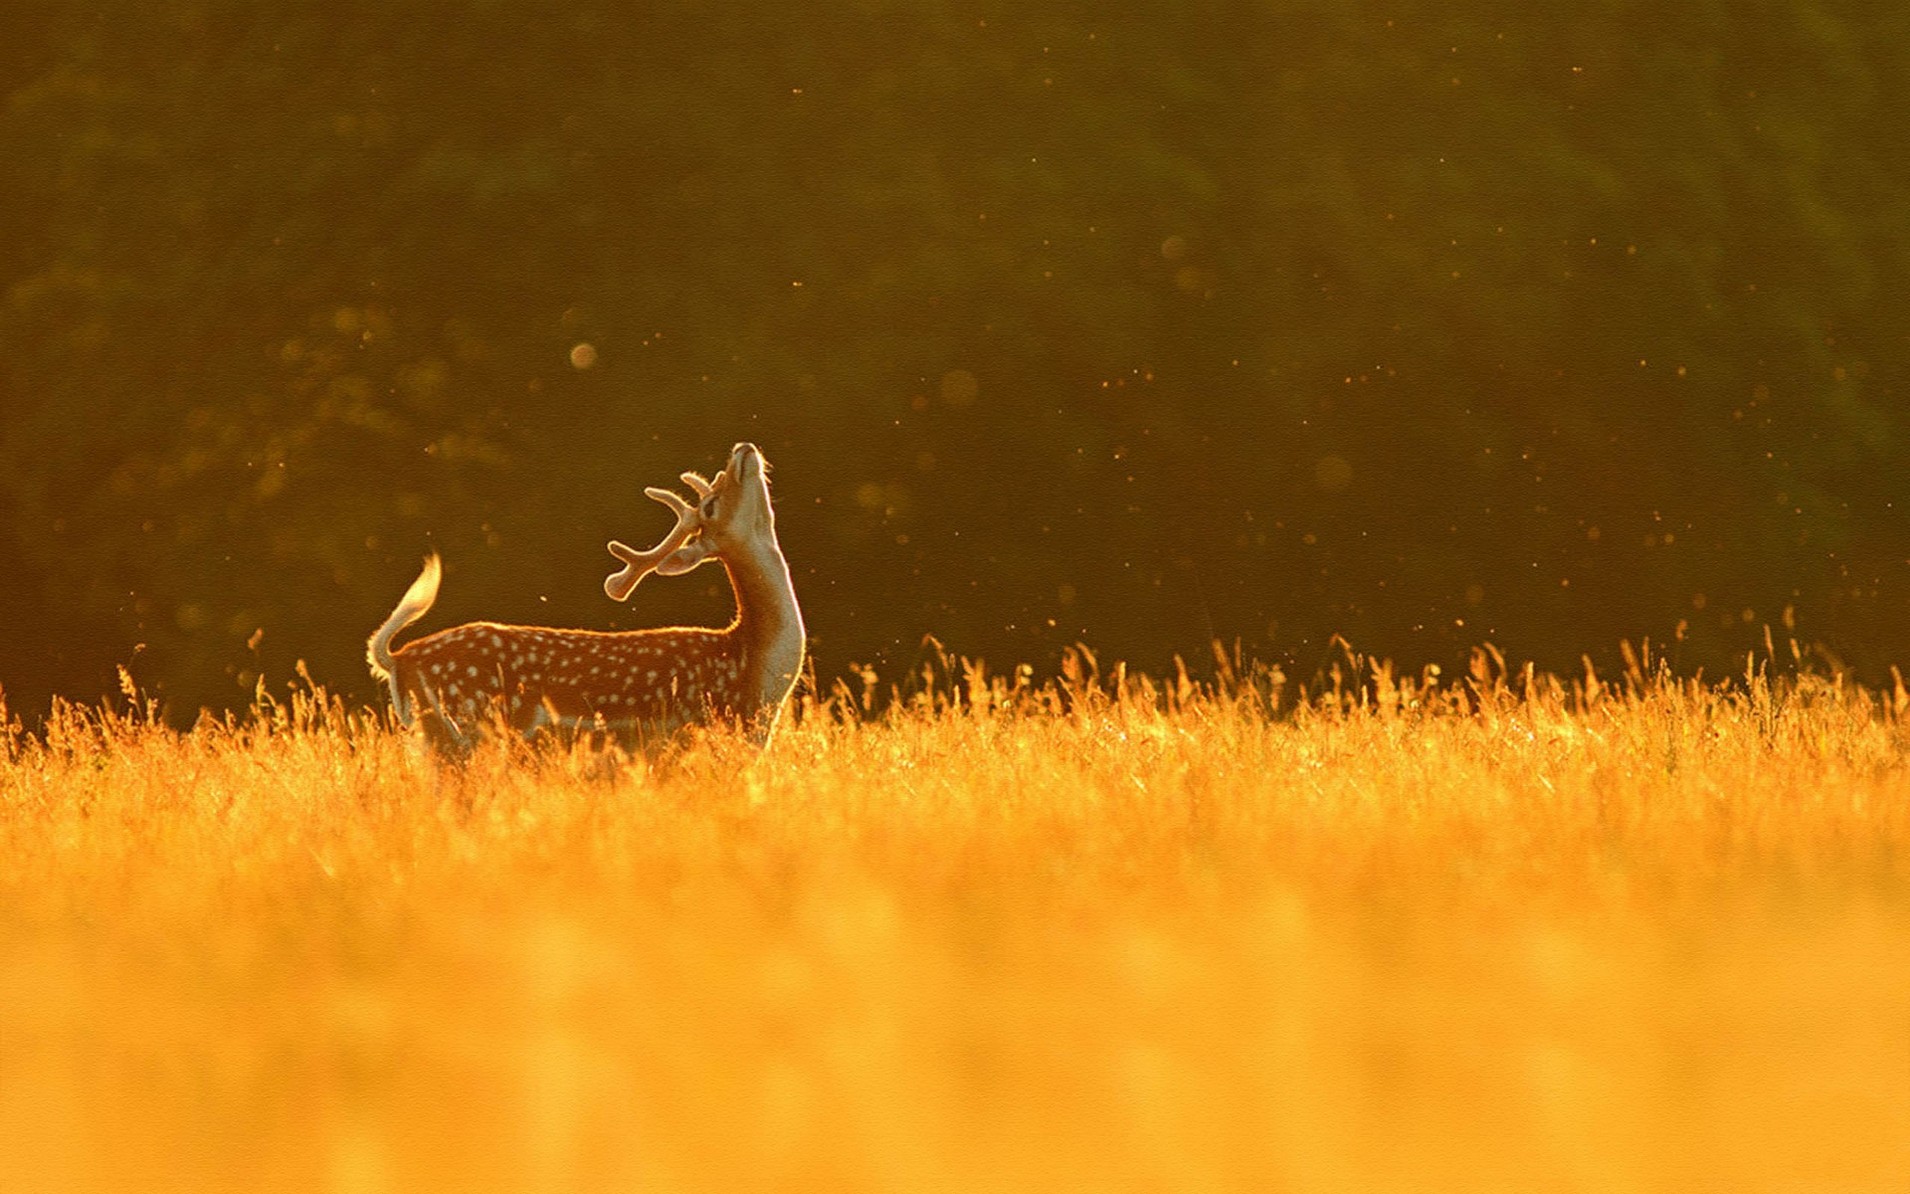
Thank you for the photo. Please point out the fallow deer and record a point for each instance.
(639, 684)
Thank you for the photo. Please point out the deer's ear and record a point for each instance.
(685, 558)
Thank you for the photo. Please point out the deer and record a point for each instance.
(642, 685)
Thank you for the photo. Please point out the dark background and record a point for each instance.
(1428, 324)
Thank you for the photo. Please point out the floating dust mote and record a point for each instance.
(1403, 935)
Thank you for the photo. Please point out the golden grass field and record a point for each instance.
(1498, 934)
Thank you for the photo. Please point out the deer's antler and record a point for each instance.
(639, 564)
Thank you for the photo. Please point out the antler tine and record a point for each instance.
(698, 485)
(639, 564)
(671, 499)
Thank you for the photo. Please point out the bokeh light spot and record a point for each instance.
(1332, 473)
(959, 387)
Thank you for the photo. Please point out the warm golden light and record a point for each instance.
(1447, 937)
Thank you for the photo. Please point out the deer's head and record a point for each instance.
(731, 519)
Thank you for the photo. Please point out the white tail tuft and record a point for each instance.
(419, 598)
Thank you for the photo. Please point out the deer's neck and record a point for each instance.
(768, 625)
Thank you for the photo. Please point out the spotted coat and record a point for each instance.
(534, 676)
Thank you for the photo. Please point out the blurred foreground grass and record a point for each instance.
(1402, 935)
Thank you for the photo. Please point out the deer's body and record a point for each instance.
(638, 683)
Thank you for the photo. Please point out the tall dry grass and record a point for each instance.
(1401, 933)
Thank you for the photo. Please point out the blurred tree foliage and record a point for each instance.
(1421, 323)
